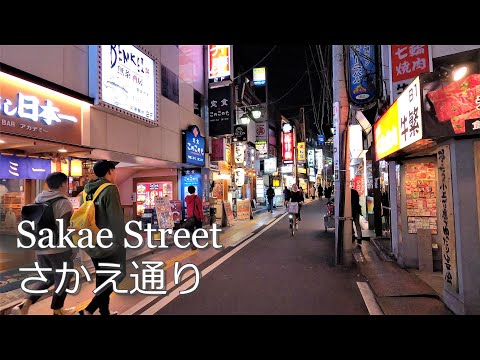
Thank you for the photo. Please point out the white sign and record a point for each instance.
(261, 131)
(260, 190)
(287, 169)
(356, 140)
(128, 80)
(311, 157)
(270, 165)
(311, 171)
(239, 153)
(259, 76)
(336, 136)
(319, 158)
(239, 177)
(262, 149)
(410, 114)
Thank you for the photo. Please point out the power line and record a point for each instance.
(256, 63)
(294, 86)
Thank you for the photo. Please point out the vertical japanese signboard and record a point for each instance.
(217, 152)
(406, 63)
(410, 114)
(219, 63)
(446, 224)
(287, 147)
(336, 139)
(362, 74)
(193, 146)
(301, 156)
(220, 111)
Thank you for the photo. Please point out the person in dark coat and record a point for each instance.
(328, 192)
(356, 211)
(320, 191)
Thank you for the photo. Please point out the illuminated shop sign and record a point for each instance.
(194, 147)
(301, 152)
(14, 167)
(270, 165)
(33, 110)
(287, 147)
(126, 80)
(259, 76)
(219, 63)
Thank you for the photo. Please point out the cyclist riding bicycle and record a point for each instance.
(297, 196)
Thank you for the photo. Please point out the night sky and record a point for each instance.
(285, 66)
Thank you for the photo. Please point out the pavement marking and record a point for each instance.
(129, 282)
(171, 296)
(369, 298)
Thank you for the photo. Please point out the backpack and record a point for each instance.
(84, 217)
(42, 216)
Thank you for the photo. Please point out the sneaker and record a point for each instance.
(64, 311)
(83, 312)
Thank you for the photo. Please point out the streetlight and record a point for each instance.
(245, 119)
(256, 114)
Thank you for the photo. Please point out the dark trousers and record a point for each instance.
(101, 300)
(54, 261)
(270, 203)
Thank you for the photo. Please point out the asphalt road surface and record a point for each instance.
(279, 274)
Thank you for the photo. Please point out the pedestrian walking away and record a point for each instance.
(270, 196)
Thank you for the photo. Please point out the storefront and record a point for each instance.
(433, 172)
(39, 129)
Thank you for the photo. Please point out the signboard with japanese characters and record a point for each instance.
(288, 147)
(311, 157)
(301, 156)
(15, 167)
(239, 154)
(406, 63)
(262, 149)
(259, 76)
(193, 146)
(219, 63)
(220, 111)
(321, 139)
(261, 130)
(446, 219)
(243, 209)
(239, 176)
(402, 124)
(127, 81)
(240, 132)
(362, 74)
(197, 103)
(32, 110)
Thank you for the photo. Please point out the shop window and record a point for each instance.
(147, 191)
(170, 85)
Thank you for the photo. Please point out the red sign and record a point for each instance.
(218, 62)
(287, 146)
(217, 150)
(359, 185)
(407, 62)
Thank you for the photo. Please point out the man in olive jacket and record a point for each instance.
(108, 214)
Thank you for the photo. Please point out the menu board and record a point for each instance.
(176, 206)
(218, 189)
(422, 222)
(420, 189)
(164, 212)
(421, 197)
(243, 209)
(148, 191)
(228, 210)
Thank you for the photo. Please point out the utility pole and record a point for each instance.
(341, 154)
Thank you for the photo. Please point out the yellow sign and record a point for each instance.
(387, 133)
(276, 183)
(301, 170)
(301, 156)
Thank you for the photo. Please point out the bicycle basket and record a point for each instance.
(293, 208)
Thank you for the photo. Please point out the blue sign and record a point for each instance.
(192, 177)
(194, 147)
(321, 139)
(14, 167)
(362, 75)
